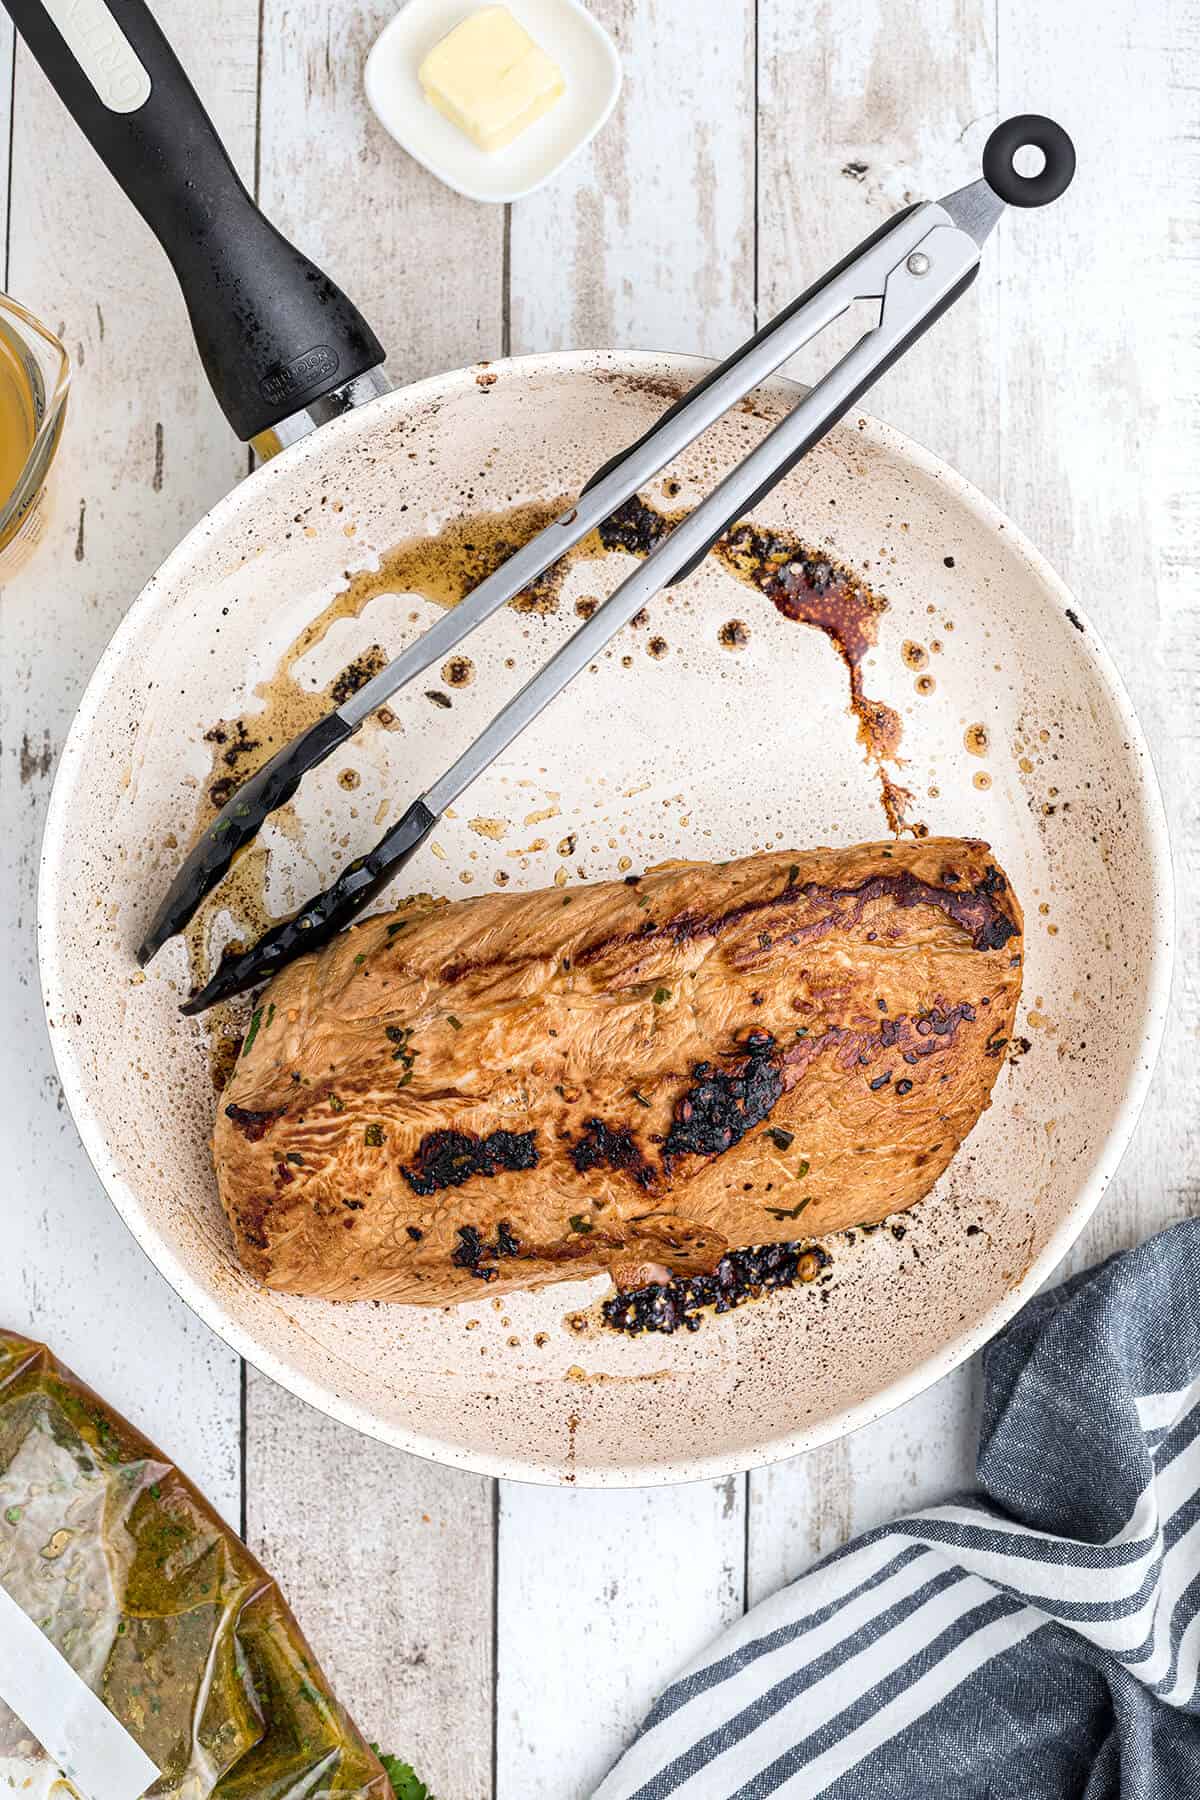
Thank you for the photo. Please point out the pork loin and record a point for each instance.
(635, 1075)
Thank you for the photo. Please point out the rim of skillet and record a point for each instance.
(634, 1474)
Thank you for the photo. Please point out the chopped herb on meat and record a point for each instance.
(255, 1022)
(789, 1212)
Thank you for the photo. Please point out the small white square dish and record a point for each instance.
(568, 33)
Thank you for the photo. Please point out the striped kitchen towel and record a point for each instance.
(1039, 1638)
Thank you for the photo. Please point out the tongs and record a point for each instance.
(915, 266)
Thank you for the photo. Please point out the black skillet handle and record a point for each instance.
(273, 332)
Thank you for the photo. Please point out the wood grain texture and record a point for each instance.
(646, 240)
(601, 1599)
(388, 1560)
(381, 1556)
(863, 110)
(144, 453)
(803, 1509)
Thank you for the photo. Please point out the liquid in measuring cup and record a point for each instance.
(18, 422)
(34, 376)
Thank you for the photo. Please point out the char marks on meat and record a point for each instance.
(977, 911)
(446, 1159)
(475, 1254)
(629, 1075)
(723, 1105)
(603, 1147)
(252, 1125)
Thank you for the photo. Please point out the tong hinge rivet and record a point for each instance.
(918, 263)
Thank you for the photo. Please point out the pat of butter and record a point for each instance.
(489, 78)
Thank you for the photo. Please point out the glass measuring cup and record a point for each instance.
(35, 374)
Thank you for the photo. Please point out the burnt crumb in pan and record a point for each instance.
(448, 1158)
(741, 1275)
(356, 674)
(634, 527)
(233, 745)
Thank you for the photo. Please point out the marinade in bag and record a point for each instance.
(157, 1606)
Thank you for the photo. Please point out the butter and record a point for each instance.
(489, 78)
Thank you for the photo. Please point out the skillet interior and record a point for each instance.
(702, 745)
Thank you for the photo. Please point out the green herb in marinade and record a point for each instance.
(195, 1646)
(403, 1777)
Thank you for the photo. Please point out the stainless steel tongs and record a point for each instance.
(915, 266)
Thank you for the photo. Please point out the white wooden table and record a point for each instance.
(507, 1640)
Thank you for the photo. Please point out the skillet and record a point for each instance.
(533, 1389)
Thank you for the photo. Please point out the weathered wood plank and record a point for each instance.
(646, 240)
(144, 453)
(801, 1510)
(862, 111)
(601, 1598)
(388, 1560)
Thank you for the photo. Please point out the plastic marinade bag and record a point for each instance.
(190, 1676)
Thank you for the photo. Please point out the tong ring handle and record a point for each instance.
(1042, 134)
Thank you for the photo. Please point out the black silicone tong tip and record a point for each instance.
(321, 918)
(1029, 131)
(240, 820)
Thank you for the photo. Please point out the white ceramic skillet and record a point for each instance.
(698, 750)
(715, 728)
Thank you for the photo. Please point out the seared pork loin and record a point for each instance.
(634, 1076)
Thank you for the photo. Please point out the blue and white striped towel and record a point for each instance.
(1037, 1640)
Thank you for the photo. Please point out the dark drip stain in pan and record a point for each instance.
(741, 1275)
(810, 587)
(803, 584)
